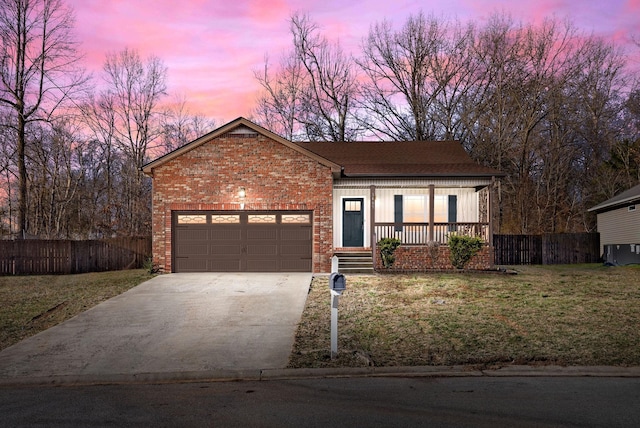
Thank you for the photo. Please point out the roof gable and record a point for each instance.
(240, 126)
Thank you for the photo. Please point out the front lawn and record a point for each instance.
(31, 304)
(567, 315)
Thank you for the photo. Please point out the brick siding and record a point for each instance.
(275, 177)
(419, 259)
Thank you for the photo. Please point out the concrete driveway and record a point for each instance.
(170, 325)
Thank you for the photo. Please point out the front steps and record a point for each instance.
(355, 262)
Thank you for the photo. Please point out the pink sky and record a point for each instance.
(212, 47)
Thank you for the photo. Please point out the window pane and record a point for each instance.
(262, 218)
(192, 219)
(352, 205)
(295, 219)
(225, 218)
(440, 209)
(415, 209)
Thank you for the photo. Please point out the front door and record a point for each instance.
(353, 222)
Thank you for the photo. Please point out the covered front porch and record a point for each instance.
(421, 214)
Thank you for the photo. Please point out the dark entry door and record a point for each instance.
(353, 222)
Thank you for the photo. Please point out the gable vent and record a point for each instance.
(243, 130)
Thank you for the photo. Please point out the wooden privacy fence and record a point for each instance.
(65, 256)
(547, 249)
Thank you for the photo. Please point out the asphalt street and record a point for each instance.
(354, 402)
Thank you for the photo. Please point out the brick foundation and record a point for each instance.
(414, 258)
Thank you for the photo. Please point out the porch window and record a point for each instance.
(440, 210)
(415, 209)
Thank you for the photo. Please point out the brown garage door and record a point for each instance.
(264, 241)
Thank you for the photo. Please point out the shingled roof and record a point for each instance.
(401, 159)
(630, 196)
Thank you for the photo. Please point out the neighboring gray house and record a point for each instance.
(619, 227)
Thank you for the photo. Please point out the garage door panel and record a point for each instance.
(226, 249)
(224, 233)
(255, 234)
(222, 265)
(252, 241)
(192, 249)
(190, 265)
(264, 249)
(297, 234)
(191, 234)
(295, 250)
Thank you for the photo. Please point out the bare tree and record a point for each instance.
(135, 88)
(402, 85)
(179, 126)
(127, 117)
(313, 94)
(330, 95)
(54, 180)
(38, 71)
(279, 106)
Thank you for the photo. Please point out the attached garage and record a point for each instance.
(242, 241)
(242, 199)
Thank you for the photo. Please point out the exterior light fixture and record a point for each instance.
(242, 193)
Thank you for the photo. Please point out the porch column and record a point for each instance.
(432, 214)
(490, 210)
(490, 218)
(372, 215)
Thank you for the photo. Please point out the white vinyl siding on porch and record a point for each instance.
(466, 200)
(619, 226)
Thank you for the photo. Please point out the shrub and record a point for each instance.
(387, 247)
(462, 249)
(434, 251)
(150, 266)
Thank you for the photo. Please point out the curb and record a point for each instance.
(319, 373)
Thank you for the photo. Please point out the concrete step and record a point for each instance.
(355, 262)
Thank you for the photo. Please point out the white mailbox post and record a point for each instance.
(337, 285)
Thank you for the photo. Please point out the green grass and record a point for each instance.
(568, 315)
(31, 304)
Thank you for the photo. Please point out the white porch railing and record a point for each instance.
(418, 233)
